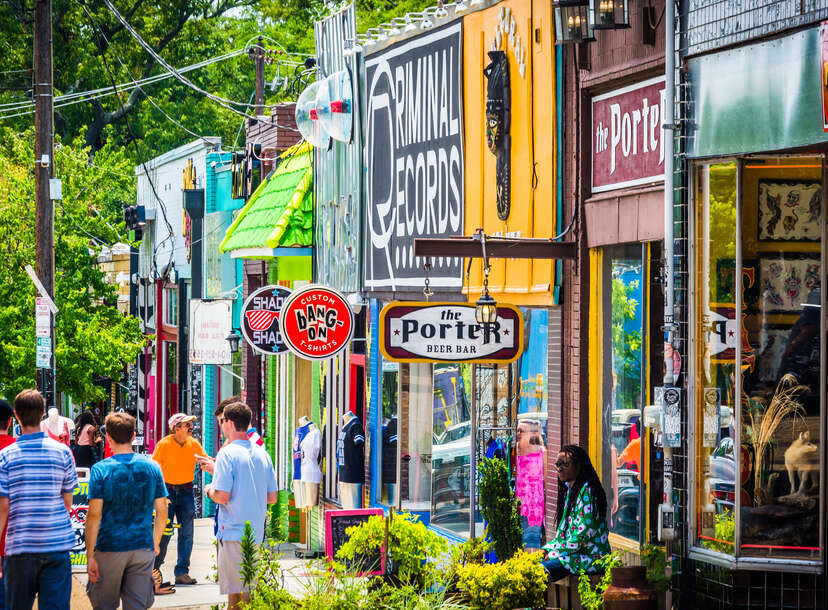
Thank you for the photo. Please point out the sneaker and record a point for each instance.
(185, 579)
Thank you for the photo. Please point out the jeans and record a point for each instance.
(45, 575)
(555, 569)
(182, 509)
(2, 592)
(531, 534)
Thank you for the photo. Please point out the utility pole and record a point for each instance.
(259, 107)
(44, 171)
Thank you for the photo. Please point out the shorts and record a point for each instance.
(229, 567)
(123, 578)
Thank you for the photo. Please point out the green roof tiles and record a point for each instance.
(280, 211)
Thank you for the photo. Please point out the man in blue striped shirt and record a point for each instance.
(37, 476)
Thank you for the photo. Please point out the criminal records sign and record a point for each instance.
(415, 158)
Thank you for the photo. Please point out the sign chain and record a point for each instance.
(427, 291)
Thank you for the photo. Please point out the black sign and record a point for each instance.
(415, 158)
(196, 409)
(260, 319)
(337, 523)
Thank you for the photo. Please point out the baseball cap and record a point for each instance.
(180, 418)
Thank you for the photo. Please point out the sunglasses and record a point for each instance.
(560, 464)
(186, 426)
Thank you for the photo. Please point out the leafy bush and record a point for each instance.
(471, 552)
(592, 598)
(518, 582)
(500, 508)
(656, 563)
(410, 546)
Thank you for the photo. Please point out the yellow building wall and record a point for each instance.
(533, 146)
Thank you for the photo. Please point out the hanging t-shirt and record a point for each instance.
(389, 451)
(298, 435)
(350, 452)
(529, 486)
(309, 448)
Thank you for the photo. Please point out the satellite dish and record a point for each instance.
(307, 118)
(335, 105)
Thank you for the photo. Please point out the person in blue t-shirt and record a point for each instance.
(122, 537)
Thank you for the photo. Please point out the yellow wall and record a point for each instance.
(532, 128)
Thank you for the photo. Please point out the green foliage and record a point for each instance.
(518, 582)
(249, 557)
(724, 532)
(592, 598)
(410, 547)
(655, 561)
(500, 508)
(277, 524)
(92, 338)
(471, 552)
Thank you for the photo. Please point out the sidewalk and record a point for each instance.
(205, 593)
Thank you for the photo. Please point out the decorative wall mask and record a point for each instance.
(497, 126)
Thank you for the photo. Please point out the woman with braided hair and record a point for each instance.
(582, 535)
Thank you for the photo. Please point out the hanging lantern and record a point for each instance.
(572, 22)
(610, 14)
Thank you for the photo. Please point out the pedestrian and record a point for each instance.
(176, 454)
(122, 536)
(85, 448)
(6, 439)
(582, 535)
(243, 484)
(37, 477)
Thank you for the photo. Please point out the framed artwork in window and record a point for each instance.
(790, 210)
(786, 282)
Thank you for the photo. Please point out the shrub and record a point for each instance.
(500, 508)
(656, 563)
(593, 598)
(518, 582)
(410, 546)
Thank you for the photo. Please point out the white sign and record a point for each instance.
(43, 353)
(43, 318)
(210, 323)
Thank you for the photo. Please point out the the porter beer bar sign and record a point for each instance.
(448, 332)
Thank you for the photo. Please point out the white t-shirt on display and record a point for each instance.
(310, 447)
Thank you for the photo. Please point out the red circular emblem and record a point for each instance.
(316, 322)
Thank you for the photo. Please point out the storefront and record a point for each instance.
(755, 321)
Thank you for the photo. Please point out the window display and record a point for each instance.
(767, 318)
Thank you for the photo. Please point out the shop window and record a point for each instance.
(451, 451)
(171, 306)
(389, 397)
(758, 338)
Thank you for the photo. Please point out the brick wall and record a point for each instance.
(554, 401)
(276, 131)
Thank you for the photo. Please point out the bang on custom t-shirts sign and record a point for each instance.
(415, 162)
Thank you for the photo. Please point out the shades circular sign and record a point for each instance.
(260, 319)
(316, 322)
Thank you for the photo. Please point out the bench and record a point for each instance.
(563, 593)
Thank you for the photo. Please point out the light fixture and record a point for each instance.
(441, 10)
(394, 29)
(369, 40)
(610, 14)
(572, 22)
(461, 7)
(409, 24)
(381, 35)
(426, 21)
(485, 310)
(233, 339)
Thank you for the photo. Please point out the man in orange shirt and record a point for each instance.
(176, 454)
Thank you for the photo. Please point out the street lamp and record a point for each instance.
(610, 14)
(485, 310)
(233, 339)
(572, 21)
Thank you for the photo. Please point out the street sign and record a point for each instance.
(43, 353)
(316, 322)
(448, 332)
(260, 319)
(43, 318)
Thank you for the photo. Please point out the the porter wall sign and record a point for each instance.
(448, 332)
(414, 153)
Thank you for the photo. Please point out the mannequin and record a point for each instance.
(296, 485)
(350, 460)
(311, 475)
(57, 427)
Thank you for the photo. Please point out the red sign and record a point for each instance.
(627, 139)
(316, 322)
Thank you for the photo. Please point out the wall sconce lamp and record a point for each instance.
(573, 22)
(610, 14)
(233, 339)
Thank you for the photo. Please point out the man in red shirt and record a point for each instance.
(6, 439)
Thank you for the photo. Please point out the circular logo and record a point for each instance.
(260, 319)
(316, 322)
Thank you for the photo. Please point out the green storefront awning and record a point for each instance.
(279, 214)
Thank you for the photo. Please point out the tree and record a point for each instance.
(92, 338)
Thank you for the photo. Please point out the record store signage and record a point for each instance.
(260, 319)
(448, 332)
(414, 158)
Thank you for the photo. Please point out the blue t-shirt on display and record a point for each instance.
(298, 437)
(246, 471)
(128, 484)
